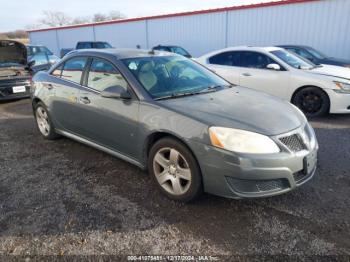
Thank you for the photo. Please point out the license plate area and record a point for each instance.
(310, 162)
(18, 89)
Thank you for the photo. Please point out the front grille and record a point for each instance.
(293, 142)
(257, 186)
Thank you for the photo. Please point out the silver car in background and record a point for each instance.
(190, 128)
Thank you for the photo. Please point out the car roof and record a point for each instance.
(244, 48)
(121, 53)
(302, 46)
(92, 42)
(168, 46)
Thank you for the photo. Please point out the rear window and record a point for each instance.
(84, 45)
(73, 69)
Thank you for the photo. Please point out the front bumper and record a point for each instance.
(340, 102)
(6, 89)
(252, 176)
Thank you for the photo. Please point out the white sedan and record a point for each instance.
(316, 90)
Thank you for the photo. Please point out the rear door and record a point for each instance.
(255, 74)
(110, 122)
(63, 94)
(224, 64)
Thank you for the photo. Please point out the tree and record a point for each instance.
(53, 19)
(99, 17)
(114, 15)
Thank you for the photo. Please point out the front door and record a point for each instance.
(255, 74)
(110, 122)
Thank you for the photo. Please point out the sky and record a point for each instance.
(19, 14)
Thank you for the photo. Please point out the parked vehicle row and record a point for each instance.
(190, 128)
(315, 89)
(194, 125)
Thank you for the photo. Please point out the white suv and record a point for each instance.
(316, 90)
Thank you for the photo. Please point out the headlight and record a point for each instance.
(242, 141)
(342, 87)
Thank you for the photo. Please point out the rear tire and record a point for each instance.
(175, 170)
(312, 101)
(44, 123)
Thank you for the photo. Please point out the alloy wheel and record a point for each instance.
(42, 120)
(311, 102)
(172, 171)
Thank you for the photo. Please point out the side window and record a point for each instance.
(255, 60)
(58, 71)
(226, 58)
(103, 74)
(73, 69)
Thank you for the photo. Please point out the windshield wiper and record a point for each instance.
(209, 89)
(175, 95)
(213, 87)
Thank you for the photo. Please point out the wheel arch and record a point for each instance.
(305, 86)
(156, 136)
(35, 101)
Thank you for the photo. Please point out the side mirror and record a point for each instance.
(31, 63)
(275, 67)
(116, 92)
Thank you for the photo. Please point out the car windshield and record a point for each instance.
(316, 53)
(32, 50)
(172, 76)
(179, 50)
(292, 59)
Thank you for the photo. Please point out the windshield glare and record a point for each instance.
(292, 60)
(164, 76)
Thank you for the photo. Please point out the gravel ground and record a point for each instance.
(63, 198)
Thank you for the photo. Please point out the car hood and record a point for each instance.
(331, 70)
(240, 108)
(12, 52)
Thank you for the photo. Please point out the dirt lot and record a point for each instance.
(62, 197)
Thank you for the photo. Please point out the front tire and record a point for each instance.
(312, 101)
(44, 122)
(175, 170)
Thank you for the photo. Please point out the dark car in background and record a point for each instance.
(86, 45)
(15, 70)
(173, 49)
(42, 56)
(316, 56)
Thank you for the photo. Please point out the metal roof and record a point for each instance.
(232, 8)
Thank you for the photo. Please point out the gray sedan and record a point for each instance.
(191, 129)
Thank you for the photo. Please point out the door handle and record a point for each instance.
(85, 100)
(246, 74)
